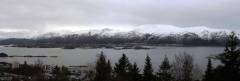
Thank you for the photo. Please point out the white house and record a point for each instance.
(5, 65)
(79, 72)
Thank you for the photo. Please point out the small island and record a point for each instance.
(3, 55)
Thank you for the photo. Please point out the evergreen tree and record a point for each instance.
(103, 72)
(208, 74)
(164, 73)
(60, 74)
(109, 70)
(26, 69)
(134, 73)
(230, 71)
(148, 70)
(121, 68)
(65, 73)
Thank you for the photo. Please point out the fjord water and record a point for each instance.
(79, 56)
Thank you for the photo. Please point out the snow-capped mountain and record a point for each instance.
(157, 29)
(167, 29)
(107, 30)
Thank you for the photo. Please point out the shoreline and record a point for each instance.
(112, 46)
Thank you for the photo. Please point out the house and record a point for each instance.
(5, 65)
(48, 68)
(10, 77)
(5, 77)
(79, 72)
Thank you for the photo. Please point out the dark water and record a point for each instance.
(88, 56)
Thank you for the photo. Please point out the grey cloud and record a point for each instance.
(37, 14)
(14, 34)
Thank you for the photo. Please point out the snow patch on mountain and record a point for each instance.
(106, 30)
(169, 29)
(157, 29)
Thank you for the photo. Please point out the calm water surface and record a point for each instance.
(88, 56)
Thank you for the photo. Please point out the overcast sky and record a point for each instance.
(21, 15)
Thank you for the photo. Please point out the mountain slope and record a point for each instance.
(108, 30)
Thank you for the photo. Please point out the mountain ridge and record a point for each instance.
(108, 30)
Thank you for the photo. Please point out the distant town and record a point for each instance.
(26, 72)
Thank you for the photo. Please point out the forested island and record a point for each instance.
(133, 40)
